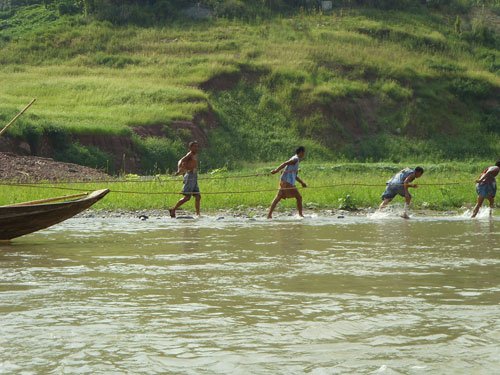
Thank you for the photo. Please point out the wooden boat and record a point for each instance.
(28, 217)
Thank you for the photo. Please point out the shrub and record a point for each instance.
(231, 9)
(470, 88)
(347, 203)
(68, 7)
(58, 136)
(84, 155)
(159, 155)
(32, 134)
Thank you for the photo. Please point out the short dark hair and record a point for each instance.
(300, 149)
(192, 143)
(497, 163)
(419, 169)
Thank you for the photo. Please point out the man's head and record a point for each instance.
(419, 171)
(300, 151)
(193, 146)
(498, 163)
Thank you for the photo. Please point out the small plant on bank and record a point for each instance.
(347, 203)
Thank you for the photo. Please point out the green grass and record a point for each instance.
(342, 83)
(328, 187)
(88, 100)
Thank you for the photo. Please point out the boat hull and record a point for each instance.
(18, 220)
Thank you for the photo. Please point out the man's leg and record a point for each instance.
(478, 205)
(384, 203)
(407, 206)
(299, 203)
(179, 203)
(197, 201)
(492, 205)
(273, 205)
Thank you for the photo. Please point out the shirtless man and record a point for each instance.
(287, 181)
(188, 166)
(398, 185)
(486, 188)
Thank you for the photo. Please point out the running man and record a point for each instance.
(188, 166)
(399, 184)
(287, 181)
(486, 188)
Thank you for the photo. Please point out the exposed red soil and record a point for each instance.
(126, 157)
(149, 130)
(198, 128)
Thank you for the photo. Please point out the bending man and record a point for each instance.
(487, 188)
(398, 185)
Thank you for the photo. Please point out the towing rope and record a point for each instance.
(45, 186)
(142, 180)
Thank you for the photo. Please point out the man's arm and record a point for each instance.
(301, 182)
(283, 165)
(407, 184)
(485, 175)
(181, 164)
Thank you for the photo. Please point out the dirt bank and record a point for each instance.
(33, 168)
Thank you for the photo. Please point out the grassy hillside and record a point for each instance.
(358, 84)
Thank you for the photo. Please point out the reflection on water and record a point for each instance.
(319, 296)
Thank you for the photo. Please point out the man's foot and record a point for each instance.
(269, 217)
(172, 212)
(404, 215)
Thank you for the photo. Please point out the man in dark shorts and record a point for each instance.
(398, 185)
(486, 188)
(287, 181)
(188, 166)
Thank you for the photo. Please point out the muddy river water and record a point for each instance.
(323, 295)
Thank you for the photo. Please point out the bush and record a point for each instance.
(481, 33)
(58, 136)
(470, 88)
(32, 134)
(347, 203)
(89, 156)
(231, 9)
(68, 7)
(159, 155)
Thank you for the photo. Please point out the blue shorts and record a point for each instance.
(487, 190)
(190, 184)
(392, 190)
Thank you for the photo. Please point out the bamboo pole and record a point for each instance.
(48, 200)
(15, 118)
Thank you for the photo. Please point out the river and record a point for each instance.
(323, 295)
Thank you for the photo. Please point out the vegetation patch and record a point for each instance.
(252, 82)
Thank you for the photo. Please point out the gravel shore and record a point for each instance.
(252, 213)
